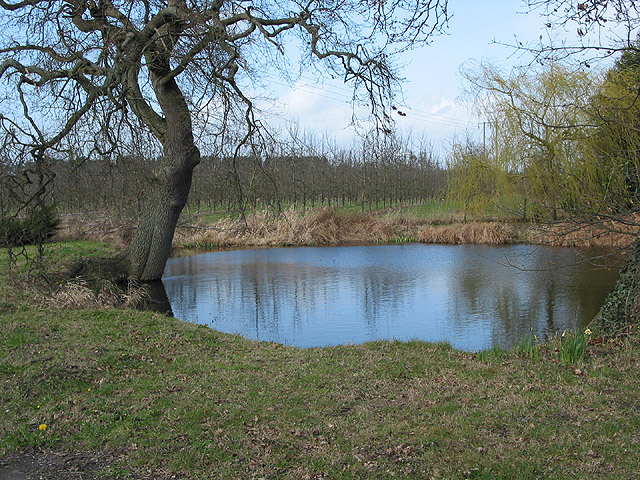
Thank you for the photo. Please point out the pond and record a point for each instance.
(474, 297)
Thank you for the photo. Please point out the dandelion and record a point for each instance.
(42, 427)
(587, 331)
(88, 389)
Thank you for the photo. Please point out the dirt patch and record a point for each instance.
(46, 465)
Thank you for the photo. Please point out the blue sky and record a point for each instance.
(433, 83)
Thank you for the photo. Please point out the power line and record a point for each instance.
(331, 94)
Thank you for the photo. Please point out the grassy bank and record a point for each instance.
(156, 398)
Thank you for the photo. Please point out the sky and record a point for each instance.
(433, 83)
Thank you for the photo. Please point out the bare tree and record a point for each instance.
(104, 70)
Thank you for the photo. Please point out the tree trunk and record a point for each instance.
(166, 197)
(151, 246)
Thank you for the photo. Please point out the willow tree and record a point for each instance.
(614, 146)
(604, 28)
(97, 72)
(538, 122)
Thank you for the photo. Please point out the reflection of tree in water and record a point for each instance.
(465, 292)
(158, 300)
(273, 298)
(383, 294)
(539, 291)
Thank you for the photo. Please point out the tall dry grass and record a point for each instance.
(609, 234)
(76, 294)
(327, 226)
(322, 227)
(96, 226)
(486, 233)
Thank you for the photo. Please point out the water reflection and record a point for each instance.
(472, 296)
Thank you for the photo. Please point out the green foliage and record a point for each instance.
(528, 347)
(613, 150)
(473, 179)
(495, 353)
(39, 225)
(536, 123)
(402, 238)
(10, 231)
(621, 309)
(573, 346)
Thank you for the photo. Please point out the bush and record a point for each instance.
(37, 227)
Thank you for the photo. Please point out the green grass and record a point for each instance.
(573, 346)
(528, 346)
(180, 399)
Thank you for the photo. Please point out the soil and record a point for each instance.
(48, 465)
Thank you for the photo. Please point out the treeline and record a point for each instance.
(561, 143)
(375, 173)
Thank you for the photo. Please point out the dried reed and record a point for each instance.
(76, 294)
(609, 234)
(97, 226)
(322, 227)
(488, 233)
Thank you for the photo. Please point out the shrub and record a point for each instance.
(39, 225)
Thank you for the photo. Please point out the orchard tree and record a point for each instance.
(95, 74)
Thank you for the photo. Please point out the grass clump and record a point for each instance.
(492, 354)
(528, 346)
(573, 346)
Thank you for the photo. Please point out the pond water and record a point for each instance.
(474, 297)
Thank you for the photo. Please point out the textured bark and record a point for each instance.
(167, 195)
(622, 306)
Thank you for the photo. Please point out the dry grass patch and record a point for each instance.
(487, 233)
(608, 234)
(321, 227)
(76, 294)
(96, 226)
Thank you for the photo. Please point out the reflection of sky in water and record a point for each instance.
(471, 296)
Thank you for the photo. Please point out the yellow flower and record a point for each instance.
(587, 331)
(42, 427)
(88, 389)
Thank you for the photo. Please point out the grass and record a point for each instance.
(528, 346)
(330, 226)
(169, 398)
(573, 347)
(431, 222)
